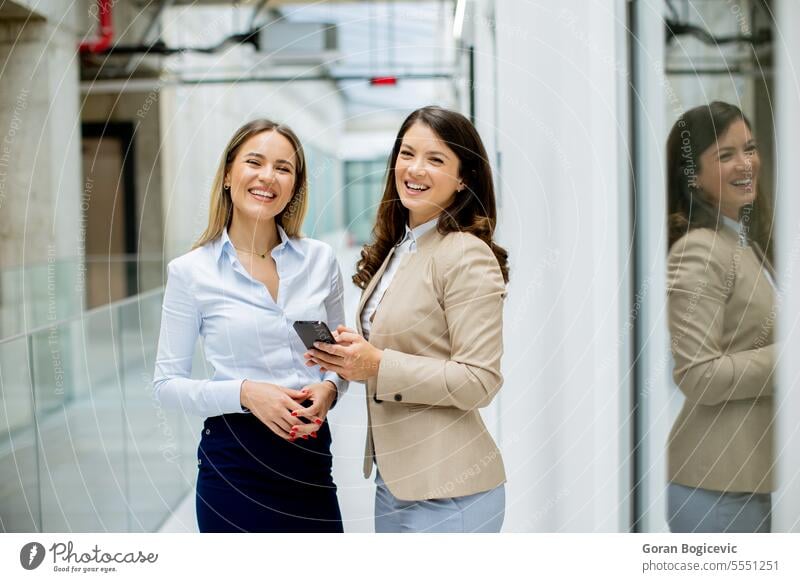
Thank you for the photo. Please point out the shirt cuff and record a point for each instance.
(231, 392)
(340, 383)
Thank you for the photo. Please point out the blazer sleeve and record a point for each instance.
(471, 293)
(704, 371)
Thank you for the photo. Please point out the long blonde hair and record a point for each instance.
(220, 209)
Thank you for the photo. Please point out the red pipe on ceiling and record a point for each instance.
(103, 40)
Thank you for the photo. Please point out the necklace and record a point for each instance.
(249, 252)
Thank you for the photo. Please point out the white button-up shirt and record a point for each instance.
(246, 334)
(744, 241)
(405, 247)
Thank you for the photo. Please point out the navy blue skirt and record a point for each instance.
(251, 480)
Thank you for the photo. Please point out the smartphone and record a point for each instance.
(313, 331)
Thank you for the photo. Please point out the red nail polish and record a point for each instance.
(294, 413)
(313, 435)
(305, 436)
(291, 439)
(318, 421)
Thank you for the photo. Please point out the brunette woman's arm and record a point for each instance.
(698, 284)
(472, 291)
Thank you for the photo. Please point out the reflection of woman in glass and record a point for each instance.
(432, 309)
(721, 316)
(250, 276)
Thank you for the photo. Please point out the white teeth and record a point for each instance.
(742, 182)
(418, 187)
(263, 194)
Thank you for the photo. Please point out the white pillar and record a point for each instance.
(40, 171)
(562, 136)
(786, 510)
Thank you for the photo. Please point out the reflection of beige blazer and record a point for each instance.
(721, 317)
(440, 326)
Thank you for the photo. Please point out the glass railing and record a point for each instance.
(83, 444)
(39, 294)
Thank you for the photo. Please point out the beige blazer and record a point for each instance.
(440, 325)
(721, 318)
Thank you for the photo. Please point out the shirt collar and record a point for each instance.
(736, 227)
(418, 231)
(730, 223)
(224, 243)
(287, 241)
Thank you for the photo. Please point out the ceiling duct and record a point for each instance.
(298, 42)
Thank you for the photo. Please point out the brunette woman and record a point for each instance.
(430, 333)
(721, 316)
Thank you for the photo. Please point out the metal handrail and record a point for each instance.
(90, 258)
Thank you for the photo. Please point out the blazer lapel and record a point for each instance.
(371, 288)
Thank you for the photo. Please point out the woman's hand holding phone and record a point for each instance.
(352, 357)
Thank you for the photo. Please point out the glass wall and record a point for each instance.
(687, 55)
(364, 181)
(324, 200)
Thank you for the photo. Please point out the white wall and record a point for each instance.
(563, 424)
(368, 145)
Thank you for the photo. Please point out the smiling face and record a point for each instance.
(426, 173)
(262, 177)
(729, 170)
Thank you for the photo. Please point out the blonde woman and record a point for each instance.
(264, 461)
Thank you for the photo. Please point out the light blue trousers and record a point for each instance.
(691, 510)
(482, 512)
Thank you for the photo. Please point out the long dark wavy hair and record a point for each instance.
(473, 209)
(688, 206)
